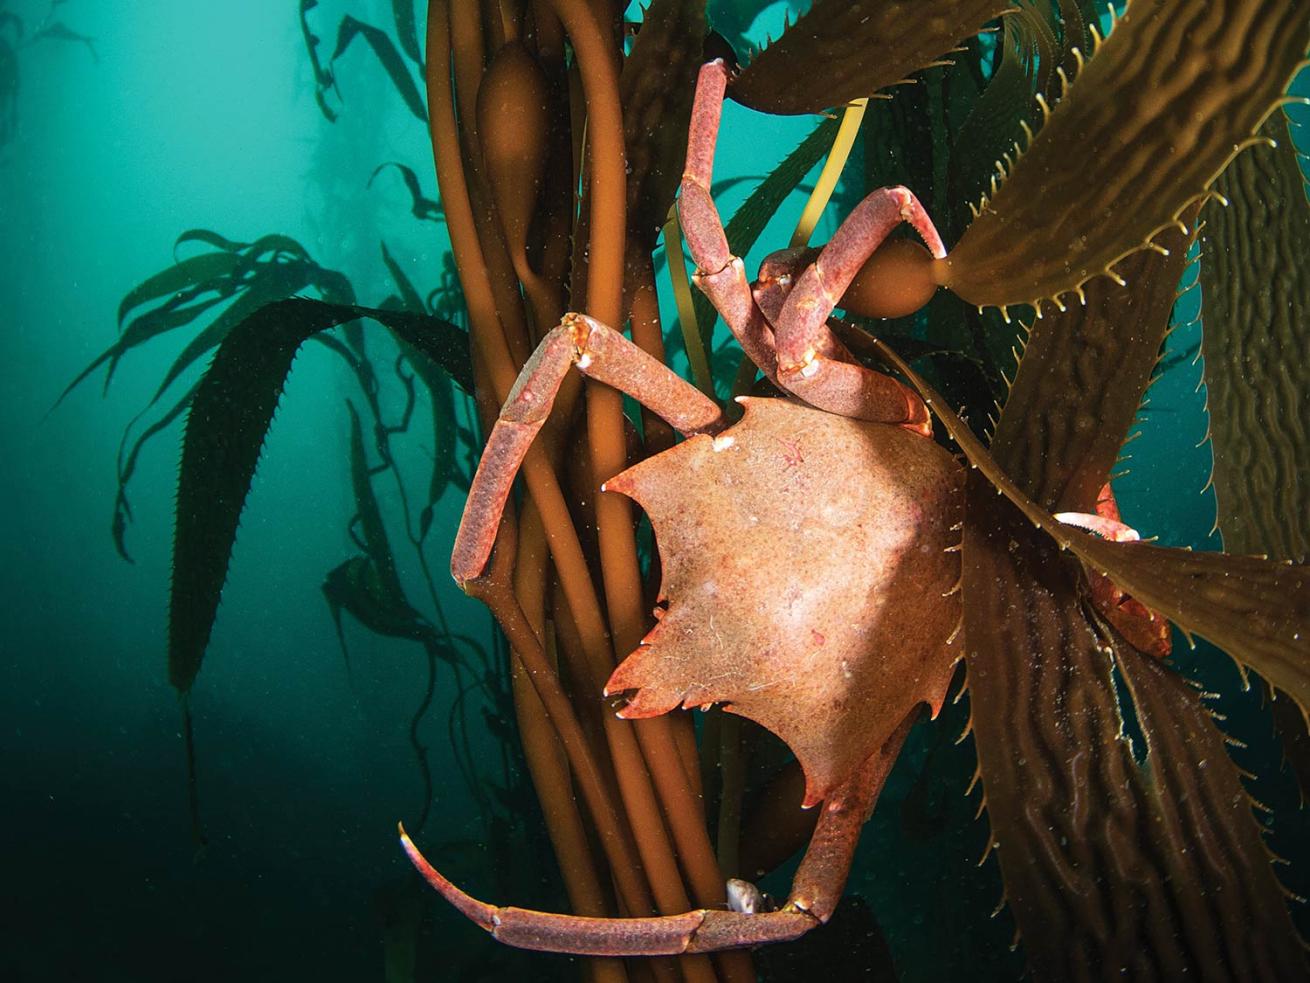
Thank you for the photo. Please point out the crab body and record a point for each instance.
(810, 560)
(810, 577)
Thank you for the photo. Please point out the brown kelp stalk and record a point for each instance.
(490, 348)
(653, 833)
(623, 590)
(549, 768)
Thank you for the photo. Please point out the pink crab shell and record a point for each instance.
(811, 576)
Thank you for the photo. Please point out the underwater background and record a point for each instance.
(146, 119)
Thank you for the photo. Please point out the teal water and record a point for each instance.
(190, 116)
(203, 116)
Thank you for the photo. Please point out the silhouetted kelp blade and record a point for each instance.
(409, 298)
(185, 284)
(402, 12)
(421, 206)
(190, 272)
(656, 89)
(1255, 318)
(441, 396)
(1081, 379)
(1100, 857)
(386, 52)
(272, 267)
(1256, 610)
(356, 586)
(182, 309)
(59, 31)
(274, 243)
(10, 79)
(368, 586)
(193, 285)
(229, 418)
(368, 517)
(275, 281)
(840, 51)
(1147, 125)
(322, 77)
(127, 459)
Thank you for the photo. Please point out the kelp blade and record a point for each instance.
(994, 121)
(1081, 380)
(1255, 319)
(387, 55)
(1147, 125)
(841, 51)
(229, 418)
(1151, 871)
(192, 271)
(1255, 309)
(421, 206)
(1256, 610)
(656, 87)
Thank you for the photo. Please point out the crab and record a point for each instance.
(811, 579)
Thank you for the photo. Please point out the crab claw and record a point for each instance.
(701, 930)
(816, 889)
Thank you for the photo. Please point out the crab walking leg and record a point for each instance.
(1145, 629)
(720, 275)
(1105, 522)
(1111, 529)
(599, 352)
(815, 891)
(819, 880)
(802, 335)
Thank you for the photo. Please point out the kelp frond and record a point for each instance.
(1170, 97)
(860, 48)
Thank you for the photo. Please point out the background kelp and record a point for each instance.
(16, 37)
(934, 127)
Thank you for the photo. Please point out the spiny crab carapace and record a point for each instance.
(809, 553)
(812, 581)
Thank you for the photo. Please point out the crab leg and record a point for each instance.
(802, 335)
(720, 275)
(1105, 522)
(599, 352)
(815, 891)
(1146, 630)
